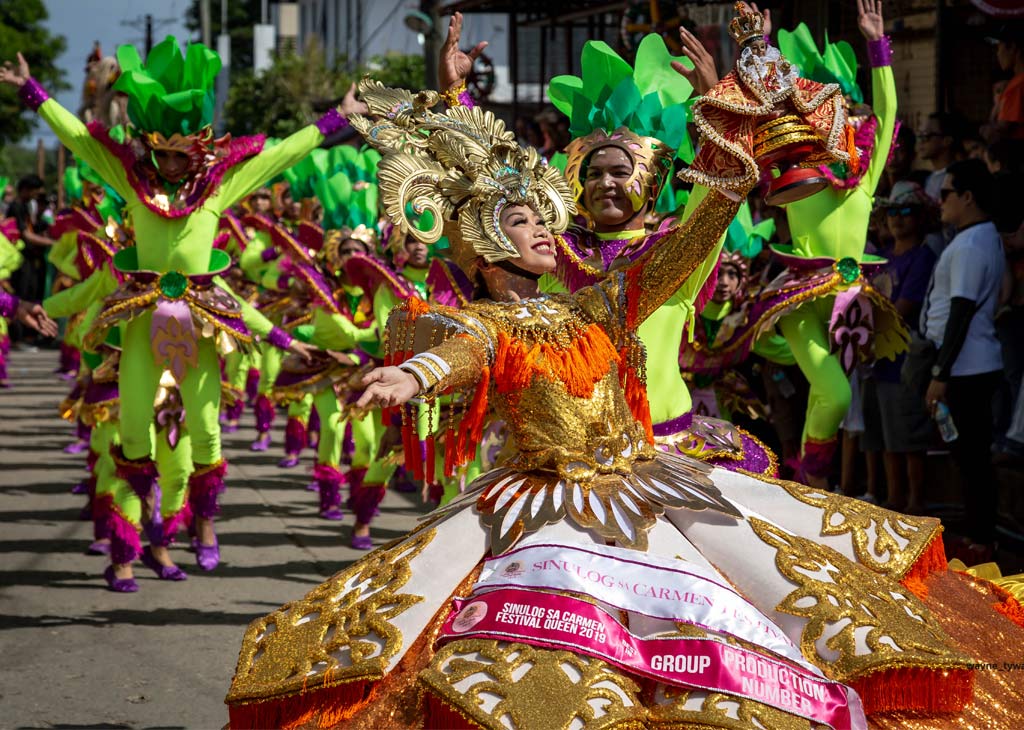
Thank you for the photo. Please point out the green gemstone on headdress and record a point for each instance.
(173, 284)
(849, 269)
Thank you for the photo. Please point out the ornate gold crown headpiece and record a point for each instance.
(651, 159)
(463, 166)
(736, 260)
(331, 251)
(188, 144)
(747, 24)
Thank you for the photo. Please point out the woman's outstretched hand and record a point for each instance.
(15, 76)
(351, 105)
(303, 350)
(703, 76)
(33, 315)
(387, 387)
(454, 65)
(870, 20)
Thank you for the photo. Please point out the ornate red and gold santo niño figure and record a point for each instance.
(763, 115)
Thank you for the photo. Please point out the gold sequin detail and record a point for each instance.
(675, 707)
(963, 608)
(884, 541)
(615, 507)
(342, 631)
(488, 681)
(871, 623)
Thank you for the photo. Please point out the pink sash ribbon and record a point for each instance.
(562, 622)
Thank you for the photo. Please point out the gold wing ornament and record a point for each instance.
(463, 166)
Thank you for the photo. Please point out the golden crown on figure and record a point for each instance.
(463, 166)
(747, 24)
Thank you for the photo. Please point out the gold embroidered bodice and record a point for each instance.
(560, 366)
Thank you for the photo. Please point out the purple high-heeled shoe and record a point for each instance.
(313, 486)
(262, 443)
(99, 547)
(163, 572)
(362, 542)
(207, 556)
(81, 488)
(76, 447)
(289, 462)
(119, 585)
(229, 427)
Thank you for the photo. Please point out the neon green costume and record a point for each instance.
(175, 307)
(830, 228)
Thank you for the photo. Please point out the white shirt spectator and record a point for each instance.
(971, 267)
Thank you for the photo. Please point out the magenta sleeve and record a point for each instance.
(330, 122)
(32, 94)
(279, 338)
(8, 304)
(880, 52)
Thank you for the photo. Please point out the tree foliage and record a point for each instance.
(299, 87)
(21, 29)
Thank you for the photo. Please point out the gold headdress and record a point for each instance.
(651, 158)
(462, 166)
(330, 254)
(747, 25)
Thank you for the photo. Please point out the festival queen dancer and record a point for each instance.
(592, 580)
(630, 125)
(177, 181)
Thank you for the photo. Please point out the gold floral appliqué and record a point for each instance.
(488, 681)
(866, 621)
(342, 631)
(884, 541)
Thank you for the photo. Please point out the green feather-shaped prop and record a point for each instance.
(169, 93)
(837, 65)
(650, 98)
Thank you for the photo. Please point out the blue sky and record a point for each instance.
(83, 21)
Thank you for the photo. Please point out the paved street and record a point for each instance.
(76, 655)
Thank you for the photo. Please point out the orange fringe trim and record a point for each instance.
(636, 397)
(440, 714)
(327, 707)
(580, 366)
(931, 560)
(915, 689)
(461, 447)
(632, 296)
(851, 147)
(1010, 606)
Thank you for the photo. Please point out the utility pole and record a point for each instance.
(205, 29)
(224, 78)
(147, 24)
(432, 43)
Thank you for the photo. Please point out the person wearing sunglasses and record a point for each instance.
(958, 317)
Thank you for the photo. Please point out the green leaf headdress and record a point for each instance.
(642, 110)
(169, 95)
(111, 203)
(743, 237)
(837, 65)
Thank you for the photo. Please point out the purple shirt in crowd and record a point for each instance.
(908, 275)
